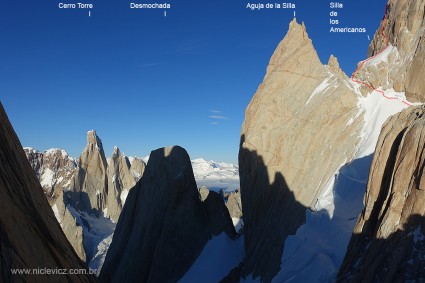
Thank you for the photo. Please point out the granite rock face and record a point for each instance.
(388, 241)
(35, 158)
(401, 66)
(120, 180)
(163, 227)
(68, 223)
(30, 235)
(234, 204)
(90, 183)
(68, 186)
(137, 167)
(204, 192)
(300, 127)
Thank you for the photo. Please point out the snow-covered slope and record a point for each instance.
(316, 252)
(97, 236)
(219, 256)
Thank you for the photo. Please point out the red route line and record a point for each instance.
(370, 58)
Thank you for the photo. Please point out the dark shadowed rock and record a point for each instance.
(30, 236)
(163, 226)
(388, 242)
(218, 215)
(275, 214)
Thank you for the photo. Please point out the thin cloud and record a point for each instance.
(218, 117)
(215, 117)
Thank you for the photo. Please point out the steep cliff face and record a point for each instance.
(137, 167)
(300, 127)
(163, 227)
(234, 204)
(388, 240)
(120, 181)
(35, 158)
(90, 183)
(218, 216)
(54, 169)
(73, 188)
(403, 68)
(68, 222)
(30, 235)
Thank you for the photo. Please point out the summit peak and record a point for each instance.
(294, 25)
(334, 66)
(93, 138)
(116, 151)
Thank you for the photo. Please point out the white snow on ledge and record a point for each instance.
(382, 57)
(55, 150)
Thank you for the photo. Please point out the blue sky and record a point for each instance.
(144, 81)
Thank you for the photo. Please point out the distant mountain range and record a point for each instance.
(208, 173)
(89, 225)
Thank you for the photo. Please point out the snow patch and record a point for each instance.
(31, 150)
(102, 249)
(382, 57)
(96, 230)
(56, 150)
(136, 175)
(321, 88)
(146, 159)
(219, 256)
(316, 251)
(238, 223)
(46, 179)
(123, 196)
(377, 109)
